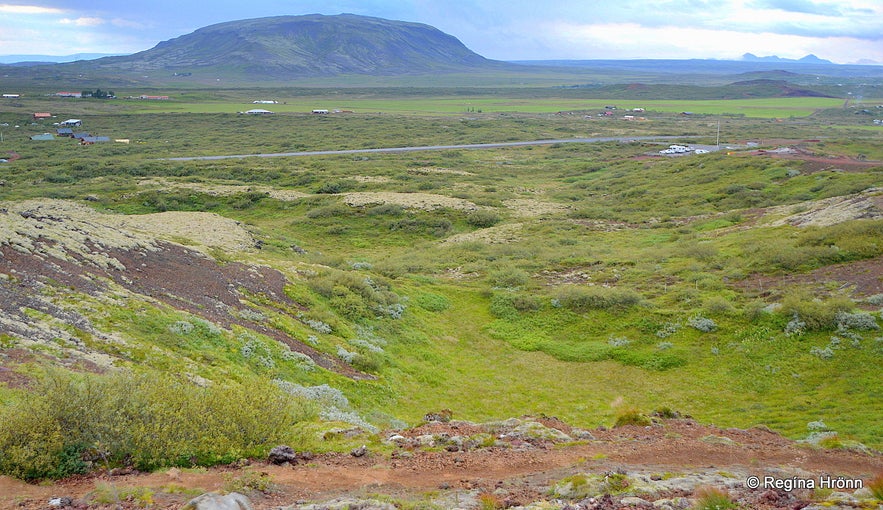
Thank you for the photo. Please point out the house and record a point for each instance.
(44, 136)
(71, 123)
(42, 115)
(259, 111)
(65, 132)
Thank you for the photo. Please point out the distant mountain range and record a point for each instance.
(50, 59)
(809, 59)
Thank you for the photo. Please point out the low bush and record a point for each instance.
(148, 421)
(583, 298)
(482, 218)
(814, 314)
(631, 416)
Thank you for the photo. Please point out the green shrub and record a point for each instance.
(631, 416)
(432, 302)
(815, 314)
(508, 277)
(583, 298)
(151, 421)
(482, 218)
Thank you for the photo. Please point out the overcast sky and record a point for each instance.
(844, 31)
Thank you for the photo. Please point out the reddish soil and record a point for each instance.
(863, 278)
(812, 162)
(182, 278)
(525, 469)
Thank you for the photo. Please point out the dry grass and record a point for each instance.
(424, 201)
(529, 208)
(498, 234)
(225, 189)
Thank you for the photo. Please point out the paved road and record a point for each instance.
(430, 148)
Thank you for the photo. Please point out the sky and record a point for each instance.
(843, 31)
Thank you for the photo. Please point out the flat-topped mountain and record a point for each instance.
(311, 45)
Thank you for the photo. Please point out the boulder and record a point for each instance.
(214, 501)
(281, 454)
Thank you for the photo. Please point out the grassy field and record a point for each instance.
(572, 280)
(422, 102)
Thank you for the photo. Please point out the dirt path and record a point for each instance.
(678, 446)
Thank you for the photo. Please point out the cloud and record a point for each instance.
(82, 22)
(627, 40)
(800, 6)
(28, 9)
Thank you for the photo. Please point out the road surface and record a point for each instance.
(429, 148)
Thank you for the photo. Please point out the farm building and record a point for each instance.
(65, 132)
(42, 115)
(320, 112)
(11, 96)
(43, 137)
(69, 94)
(71, 123)
(259, 111)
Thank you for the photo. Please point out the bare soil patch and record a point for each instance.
(861, 279)
(521, 471)
(61, 245)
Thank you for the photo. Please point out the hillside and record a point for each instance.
(562, 304)
(298, 46)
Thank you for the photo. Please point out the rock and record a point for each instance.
(426, 440)
(281, 454)
(582, 434)
(863, 493)
(443, 416)
(214, 501)
(360, 451)
(535, 430)
(841, 498)
(61, 502)
(635, 502)
(396, 439)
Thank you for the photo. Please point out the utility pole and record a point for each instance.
(718, 133)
